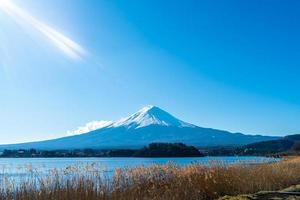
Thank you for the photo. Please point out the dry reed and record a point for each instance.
(159, 182)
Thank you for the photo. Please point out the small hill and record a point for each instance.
(168, 150)
(288, 144)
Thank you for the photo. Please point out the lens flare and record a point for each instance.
(70, 48)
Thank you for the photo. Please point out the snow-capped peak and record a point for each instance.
(150, 115)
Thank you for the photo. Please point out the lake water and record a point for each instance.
(15, 167)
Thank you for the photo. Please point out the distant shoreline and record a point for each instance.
(159, 150)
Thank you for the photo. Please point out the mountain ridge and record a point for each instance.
(150, 124)
(150, 115)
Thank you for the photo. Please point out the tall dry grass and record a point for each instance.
(165, 182)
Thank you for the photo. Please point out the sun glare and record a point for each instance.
(62, 42)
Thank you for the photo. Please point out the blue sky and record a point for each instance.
(230, 65)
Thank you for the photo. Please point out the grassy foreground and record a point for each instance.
(155, 182)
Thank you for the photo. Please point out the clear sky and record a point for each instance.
(232, 65)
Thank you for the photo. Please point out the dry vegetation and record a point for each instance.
(155, 182)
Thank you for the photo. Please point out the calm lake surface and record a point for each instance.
(19, 166)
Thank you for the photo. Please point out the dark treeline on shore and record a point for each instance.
(152, 150)
(289, 145)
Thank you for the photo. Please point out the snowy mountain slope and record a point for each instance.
(150, 124)
(150, 115)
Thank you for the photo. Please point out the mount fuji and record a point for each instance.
(148, 125)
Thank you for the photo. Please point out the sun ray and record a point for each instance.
(69, 47)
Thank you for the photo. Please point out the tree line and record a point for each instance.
(152, 150)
